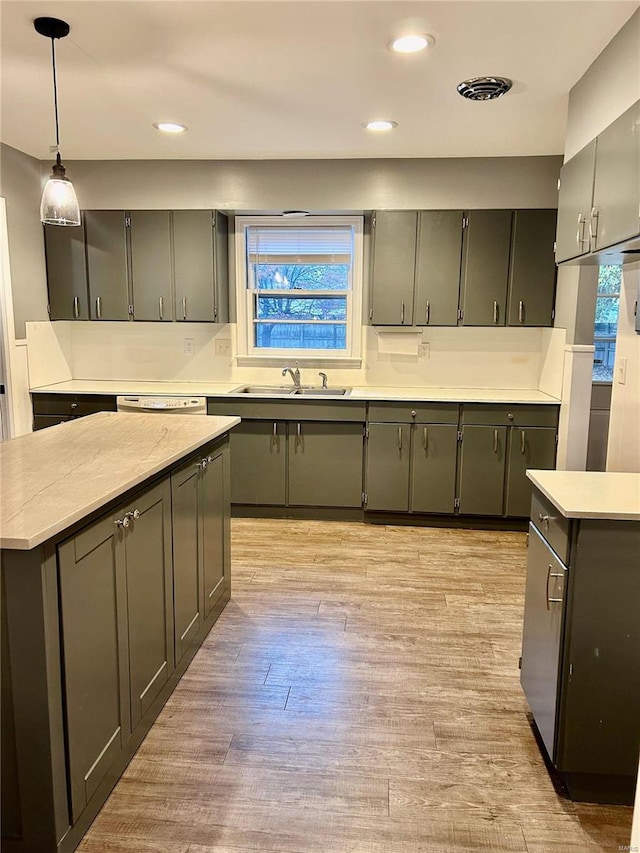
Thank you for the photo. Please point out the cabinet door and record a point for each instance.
(214, 510)
(151, 265)
(187, 598)
(194, 265)
(616, 196)
(258, 463)
(542, 635)
(574, 204)
(482, 464)
(438, 267)
(394, 258)
(388, 461)
(145, 554)
(221, 267)
(94, 642)
(528, 448)
(487, 241)
(107, 264)
(325, 464)
(66, 273)
(532, 276)
(433, 471)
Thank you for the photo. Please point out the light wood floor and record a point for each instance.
(359, 694)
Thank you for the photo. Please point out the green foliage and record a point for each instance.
(609, 280)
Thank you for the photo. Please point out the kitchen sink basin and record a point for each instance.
(323, 392)
(269, 390)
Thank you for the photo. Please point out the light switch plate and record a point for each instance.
(423, 350)
(621, 371)
(223, 346)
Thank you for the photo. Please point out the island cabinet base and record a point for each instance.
(95, 640)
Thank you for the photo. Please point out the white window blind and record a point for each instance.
(301, 245)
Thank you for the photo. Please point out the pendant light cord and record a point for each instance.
(55, 94)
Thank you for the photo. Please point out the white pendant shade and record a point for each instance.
(59, 205)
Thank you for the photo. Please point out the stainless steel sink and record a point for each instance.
(291, 390)
(323, 392)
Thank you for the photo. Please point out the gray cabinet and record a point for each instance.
(51, 409)
(258, 470)
(187, 581)
(580, 662)
(393, 273)
(437, 275)
(143, 549)
(482, 468)
(485, 267)
(388, 466)
(532, 272)
(616, 196)
(200, 264)
(94, 641)
(107, 264)
(575, 203)
(325, 464)
(66, 272)
(529, 447)
(433, 465)
(215, 527)
(151, 264)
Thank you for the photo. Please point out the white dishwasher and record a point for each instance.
(163, 405)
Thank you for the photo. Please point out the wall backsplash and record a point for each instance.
(458, 357)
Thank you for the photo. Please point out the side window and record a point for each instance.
(606, 325)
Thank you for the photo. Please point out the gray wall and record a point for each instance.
(318, 185)
(20, 185)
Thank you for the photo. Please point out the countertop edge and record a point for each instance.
(595, 515)
(10, 544)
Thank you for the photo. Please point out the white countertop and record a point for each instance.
(591, 494)
(360, 393)
(52, 478)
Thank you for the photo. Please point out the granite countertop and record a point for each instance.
(55, 477)
(359, 393)
(591, 494)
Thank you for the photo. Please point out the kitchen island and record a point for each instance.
(115, 564)
(581, 636)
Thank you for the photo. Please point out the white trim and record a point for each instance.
(250, 355)
(7, 329)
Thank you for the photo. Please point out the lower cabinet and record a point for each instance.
(388, 466)
(297, 463)
(529, 447)
(482, 467)
(214, 517)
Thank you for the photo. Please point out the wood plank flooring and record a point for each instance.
(359, 694)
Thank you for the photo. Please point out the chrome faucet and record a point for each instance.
(324, 377)
(295, 375)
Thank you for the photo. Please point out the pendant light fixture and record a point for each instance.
(59, 205)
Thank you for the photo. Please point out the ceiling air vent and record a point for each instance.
(484, 88)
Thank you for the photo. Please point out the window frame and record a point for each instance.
(247, 352)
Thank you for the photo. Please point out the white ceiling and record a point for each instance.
(296, 79)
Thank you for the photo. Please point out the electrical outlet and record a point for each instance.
(423, 350)
(223, 346)
(621, 371)
(188, 346)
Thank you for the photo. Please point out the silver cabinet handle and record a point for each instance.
(76, 307)
(495, 311)
(551, 574)
(74, 405)
(123, 522)
(184, 307)
(399, 438)
(299, 433)
(427, 313)
(135, 514)
(495, 441)
(161, 307)
(99, 307)
(413, 413)
(215, 313)
(521, 311)
(425, 439)
(402, 312)
(580, 238)
(522, 441)
(593, 232)
(201, 465)
(275, 429)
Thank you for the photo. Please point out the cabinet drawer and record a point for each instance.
(44, 421)
(553, 526)
(514, 415)
(72, 404)
(419, 413)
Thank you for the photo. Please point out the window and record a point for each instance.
(299, 286)
(606, 325)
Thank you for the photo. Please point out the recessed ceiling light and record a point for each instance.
(411, 43)
(380, 125)
(170, 127)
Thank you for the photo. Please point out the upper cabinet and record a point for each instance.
(153, 265)
(599, 200)
(447, 267)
